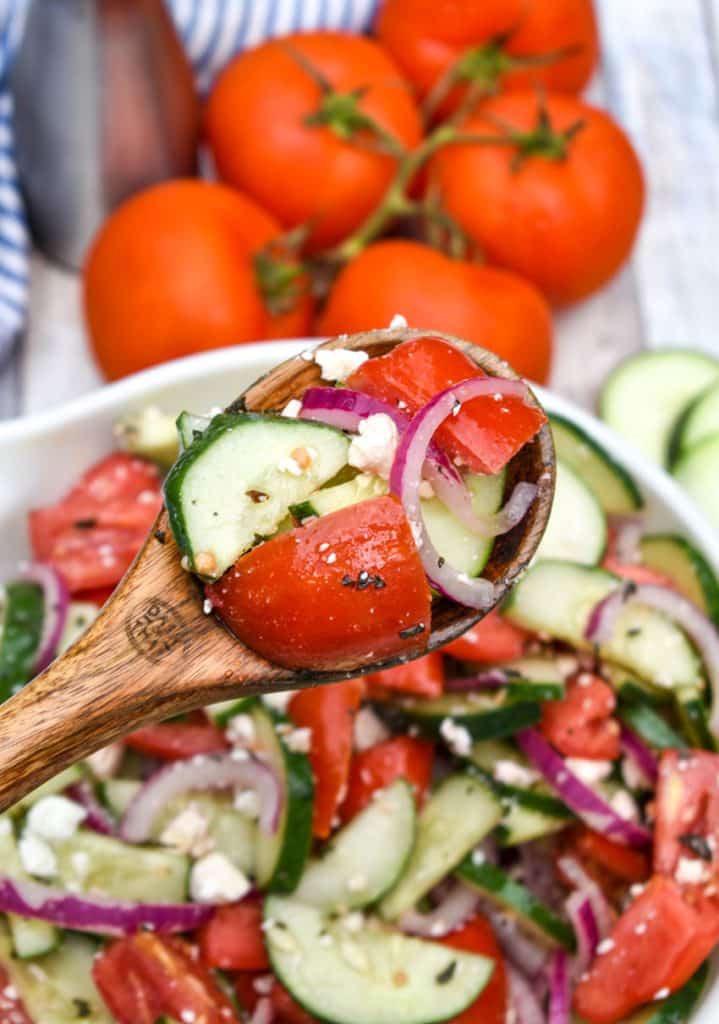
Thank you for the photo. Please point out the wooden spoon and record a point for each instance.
(153, 653)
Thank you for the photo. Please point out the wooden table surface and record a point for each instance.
(660, 78)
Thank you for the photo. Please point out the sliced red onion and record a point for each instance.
(56, 600)
(98, 818)
(580, 912)
(603, 617)
(585, 884)
(628, 531)
(523, 998)
(537, 859)
(97, 914)
(454, 910)
(406, 476)
(492, 679)
(221, 771)
(586, 804)
(635, 748)
(559, 1000)
(523, 951)
(263, 1013)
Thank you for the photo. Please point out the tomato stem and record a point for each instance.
(280, 277)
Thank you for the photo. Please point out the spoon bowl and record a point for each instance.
(153, 653)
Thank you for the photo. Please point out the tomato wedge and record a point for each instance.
(493, 639)
(286, 1010)
(402, 757)
(329, 712)
(146, 975)
(490, 1007)
(657, 944)
(302, 598)
(175, 741)
(423, 677)
(484, 435)
(686, 834)
(12, 1010)
(622, 862)
(232, 939)
(637, 573)
(581, 724)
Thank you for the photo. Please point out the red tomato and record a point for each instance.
(92, 535)
(482, 436)
(637, 573)
(402, 757)
(490, 1007)
(12, 1010)
(329, 712)
(264, 141)
(423, 676)
(493, 308)
(658, 943)
(146, 975)
(175, 741)
(620, 861)
(565, 217)
(687, 815)
(295, 600)
(493, 639)
(96, 595)
(286, 1010)
(581, 724)
(232, 939)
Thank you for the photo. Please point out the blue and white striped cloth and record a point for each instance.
(212, 31)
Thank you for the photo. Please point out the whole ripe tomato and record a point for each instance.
(560, 205)
(302, 151)
(493, 37)
(494, 308)
(175, 270)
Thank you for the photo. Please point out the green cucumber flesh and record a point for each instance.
(651, 726)
(23, 614)
(280, 858)
(677, 558)
(366, 857)
(460, 813)
(190, 427)
(374, 974)
(29, 936)
(222, 712)
(484, 716)
(151, 434)
(699, 420)
(694, 718)
(643, 398)
(118, 793)
(363, 487)
(58, 783)
(697, 472)
(228, 488)
(80, 615)
(558, 597)
(511, 896)
(521, 823)
(577, 527)
(609, 481)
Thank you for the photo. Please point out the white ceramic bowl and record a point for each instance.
(42, 455)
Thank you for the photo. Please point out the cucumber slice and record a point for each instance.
(577, 527)
(59, 989)
(484, 716)
(222, 712)
(30, 936)
(367, 857)
(190, 427)
(509, 895)
(693, 718)
(681, 561)
(521, 823)
(80, 615)
(459, 814)
(609, 481)
(374, 974)
(23, 614)
(696, 471)
(699, 420)
(651, 726)
(332, 499)
(212, 490)
(280, 859)
(151, 434)
(643, 398)
(534, 678)
(558, 597)
(93, 863)
(118, 793)
(58, 783)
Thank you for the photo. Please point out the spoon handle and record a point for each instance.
(150, 654)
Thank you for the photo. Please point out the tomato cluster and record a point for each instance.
(456, 129)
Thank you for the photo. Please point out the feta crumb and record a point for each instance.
(478, 856)
(104, 763)
(37, 857)
(632, 774)
(624, 805)
(5, 827)
(215, 879)
(240, 730)
(292, 409)
(588, 771)
(247, 802)
(188, 832)
(426, 490)
(338, 363)
(299, 740)
(307, 355)
(289, 465)
(606, 946)
(641, 928)
(398, 321)
(331, 558)
(373, 449)
(513, 774)
(457, 738)
(55, 817)
(663, 993)
(690, 871)
(636, 890)
(207, 606)
(188, 1016)
(368, 729)
(278, 701)
(80, 861)
(264, 984)
(353, 922)
(357, 883)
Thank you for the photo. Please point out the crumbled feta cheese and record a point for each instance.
(264, 984)
(289, 465)
(368, 729)
(188, 1016)
(240, 730)
(357, 883)
(478, 856)
(636, 890)
(338, 363)
(80, 861)
(104, 763)
(623, 804)
(55, 817)
(215, 879)
(247, 802)
(299, 740)
(37, 857)
(663, 993)
(690, 871)
(278, 701)
(353, 922)
(605, 946)
(398, 321)
(373, 449)
(5, 827)
(513, 774)
(589, 772)
(426, 490)
(188, 832)
(632, 774)
(207, 606)
(457, 738)
(292, 409)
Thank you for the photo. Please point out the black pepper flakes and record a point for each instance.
(347, 581)
(364, 580)
(634, 631)
(160, 536)
(440, 562)
(82, 1007)
(446, 975)
(406, 634)
(379, 583)
(698, 845)
(85, 524)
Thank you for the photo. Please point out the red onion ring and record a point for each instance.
(263, 1013)
(580, 912)
(603, 617)
(635, 748)
(56, 600)
(585, 884)
(521, 949)
(405, 483)
(97, 914)
(586, 804)
(222, 771)
(523, 999)
(454, 910)
(492, 679)
(559, 1000)
(628, 531)
(98, 818)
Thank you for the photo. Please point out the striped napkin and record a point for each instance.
(212, 31)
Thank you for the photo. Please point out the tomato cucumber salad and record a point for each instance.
(521, 828)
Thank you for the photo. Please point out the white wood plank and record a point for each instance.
(661, 84)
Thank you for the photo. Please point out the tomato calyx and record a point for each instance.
(281, 277)
(542, 141)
